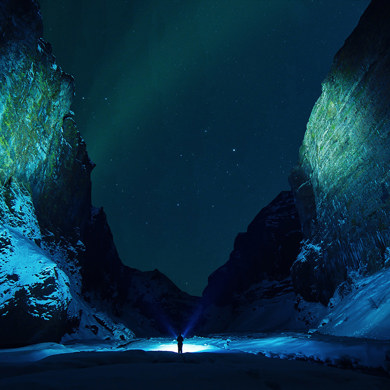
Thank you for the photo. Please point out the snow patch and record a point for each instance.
(308, 248)
(361, 308)
(336, 351)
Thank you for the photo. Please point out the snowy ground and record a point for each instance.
(210, 363)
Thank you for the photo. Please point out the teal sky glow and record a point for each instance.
(193, 112)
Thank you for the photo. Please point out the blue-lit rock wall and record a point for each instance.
(61, 277)
(45, 192)
(342, 182)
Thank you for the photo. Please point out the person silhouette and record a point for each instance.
(180, 340)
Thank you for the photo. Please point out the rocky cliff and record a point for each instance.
(341, 184)
(265, 251)
(61, 277)
(253, 290)
(60, 274)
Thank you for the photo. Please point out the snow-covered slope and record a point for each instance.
(360, 308)
(60, 274)
(300, 362)
(341, 186)
(34, 291)
(44, 193)
(267, 306)
(338, 281)
(40, 282)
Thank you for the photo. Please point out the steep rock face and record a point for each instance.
(266, 251)
(45, 188)
(40, 146)
(341, 184)
(255, 285)
(60, 274)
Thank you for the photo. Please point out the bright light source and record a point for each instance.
(172, 347)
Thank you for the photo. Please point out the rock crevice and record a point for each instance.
(341, 184)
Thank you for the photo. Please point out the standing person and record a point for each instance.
(180, 340)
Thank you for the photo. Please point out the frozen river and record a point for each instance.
(337, 351)
(218, 362)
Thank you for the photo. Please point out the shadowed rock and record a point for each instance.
(60, 273)
(341, 184)
(258, 268)
(266, 251)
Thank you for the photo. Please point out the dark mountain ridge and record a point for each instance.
(60, 273)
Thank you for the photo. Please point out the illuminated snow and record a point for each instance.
(363, 353)
(43, 272)
(172, 347)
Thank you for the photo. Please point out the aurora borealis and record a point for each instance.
(193, 112)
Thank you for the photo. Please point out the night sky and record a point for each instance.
(194, 112)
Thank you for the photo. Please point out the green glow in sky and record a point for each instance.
(193, 112)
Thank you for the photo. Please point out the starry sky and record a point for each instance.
(194, 112)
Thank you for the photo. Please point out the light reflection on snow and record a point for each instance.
(367, 353)
(172, 347)
(190, 345)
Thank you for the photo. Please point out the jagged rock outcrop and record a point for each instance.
(341, 188)
(342, 182)
(34, 291)
(148, 302)
(253, 290)
(40, 197)
(60, 274)
(265, 251)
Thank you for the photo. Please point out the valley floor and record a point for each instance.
(221, 362)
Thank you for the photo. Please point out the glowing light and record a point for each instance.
(172, 347)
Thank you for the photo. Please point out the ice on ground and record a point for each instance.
(331, 350)
(135, 369)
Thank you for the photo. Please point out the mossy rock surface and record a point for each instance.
(342, 182)
(39, 142)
